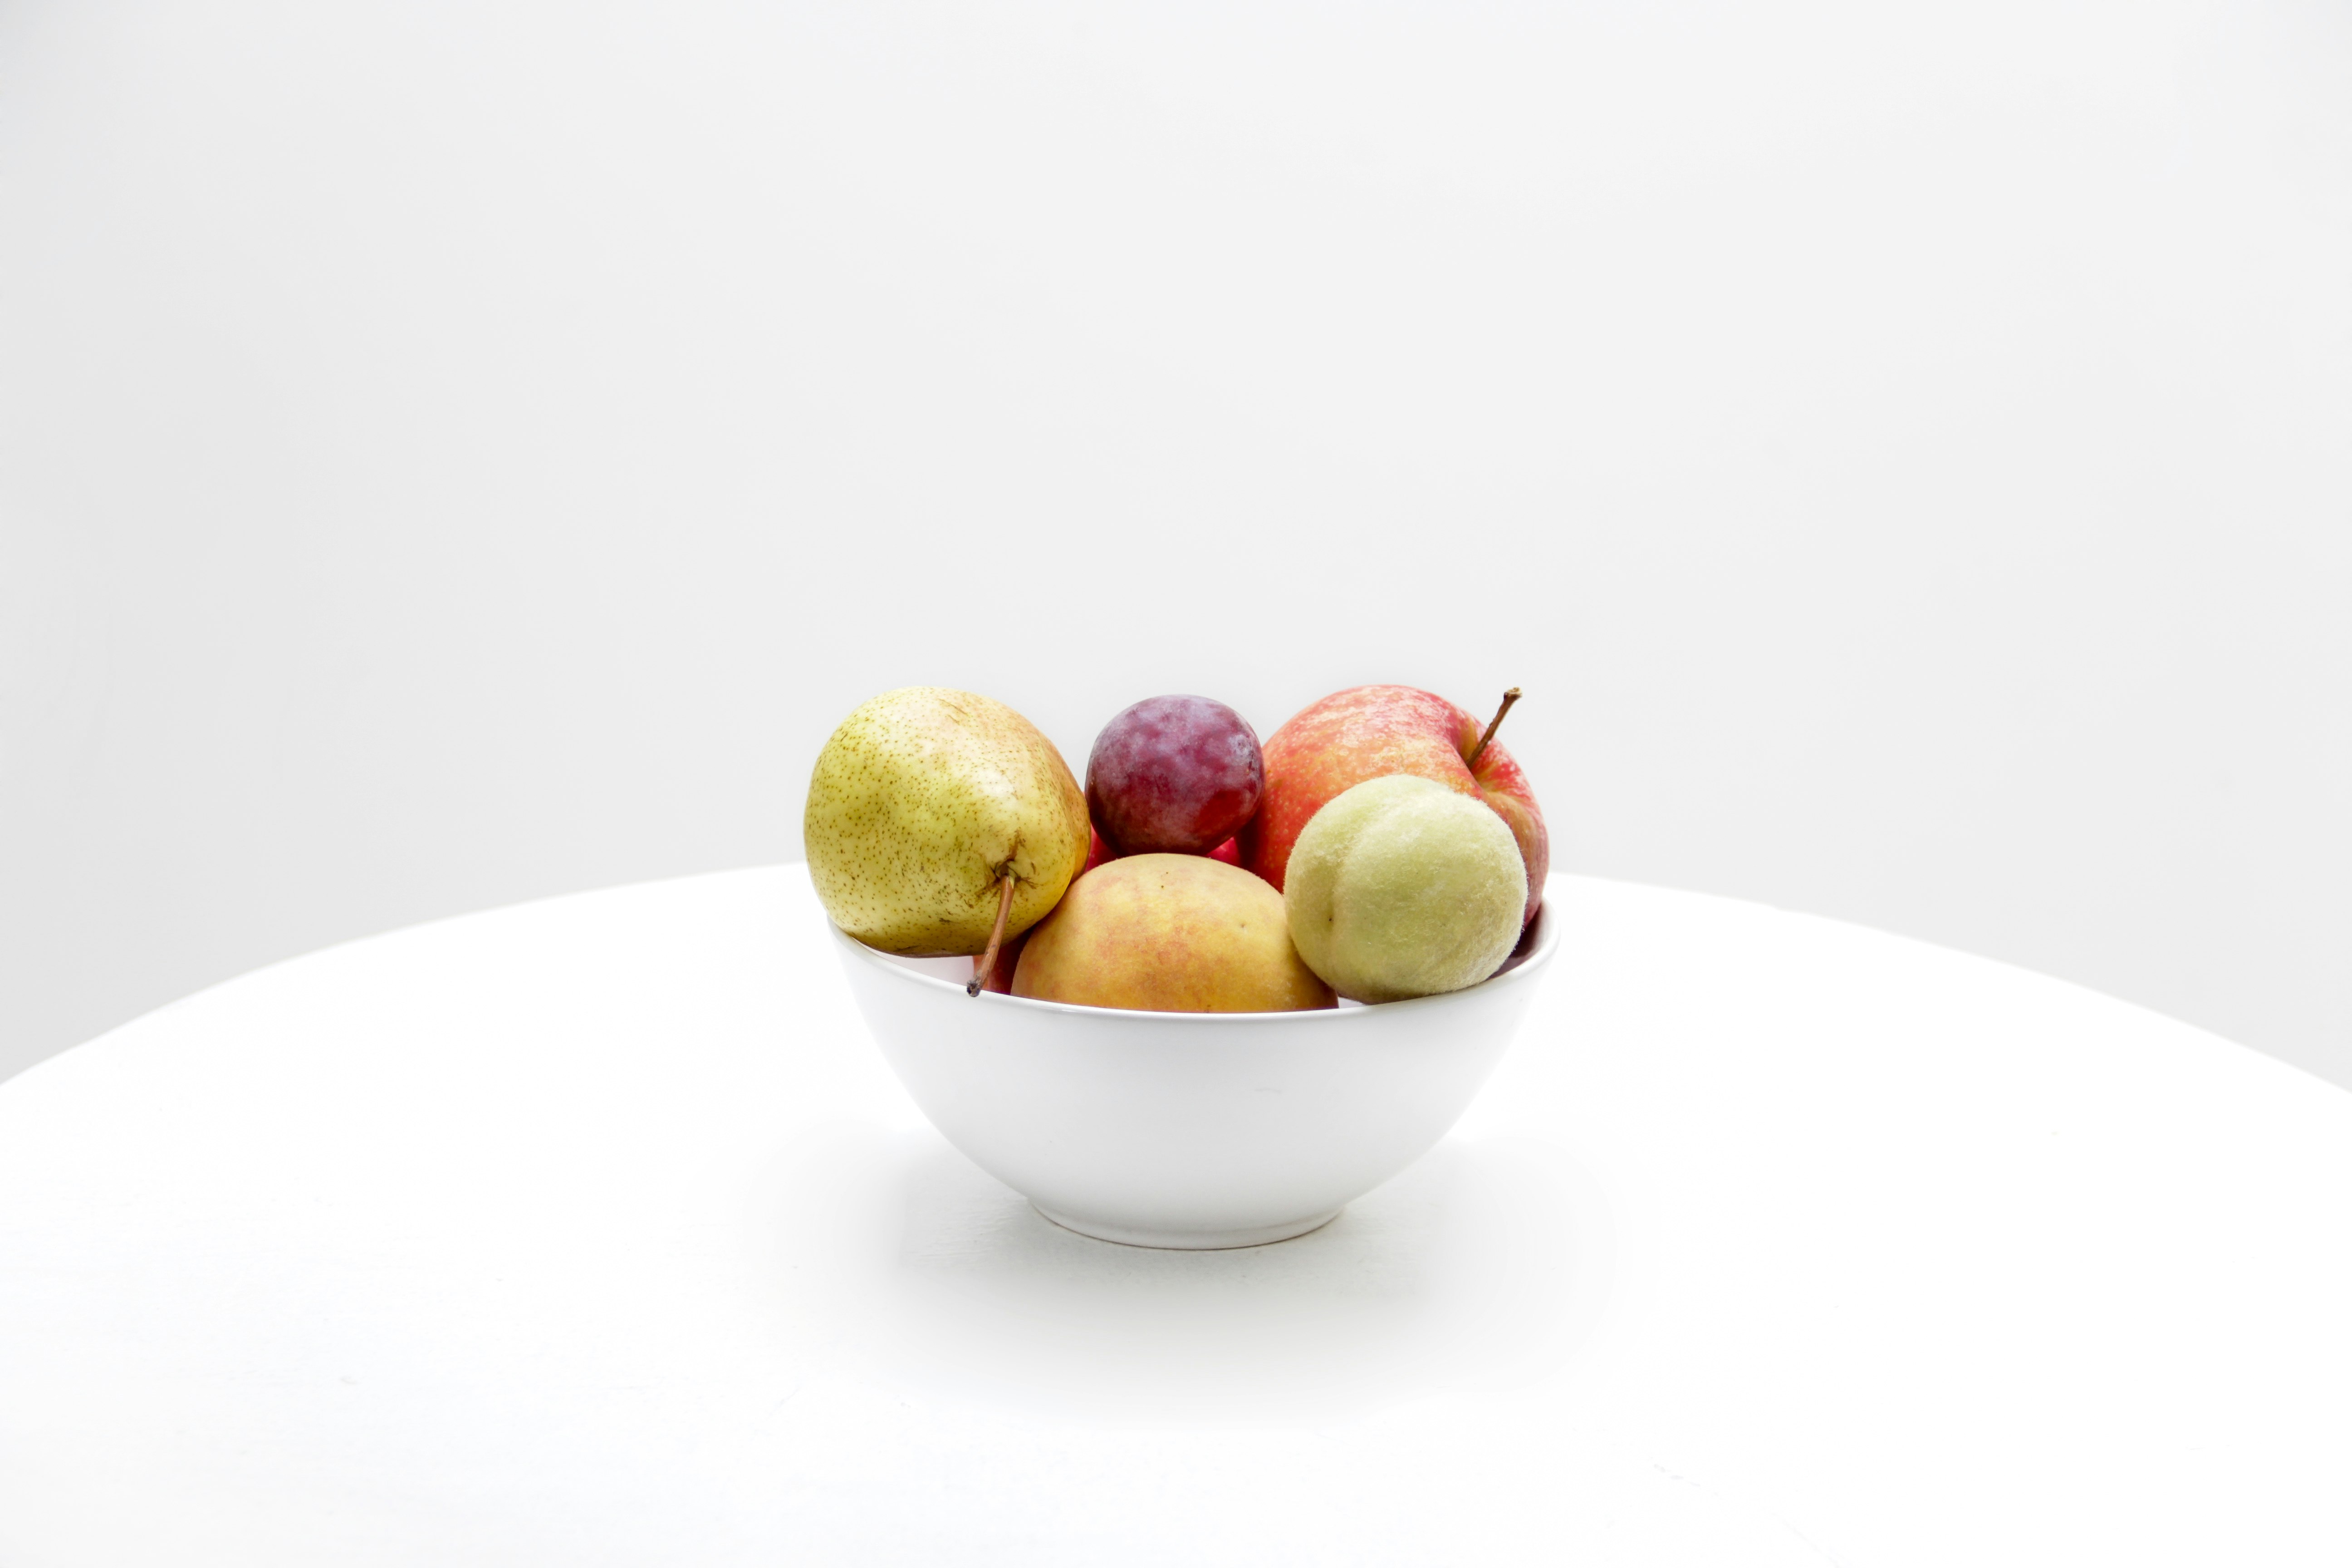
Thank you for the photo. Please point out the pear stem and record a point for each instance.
(987, 965)
(1492, 725)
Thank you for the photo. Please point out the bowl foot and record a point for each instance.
(1190, 1240)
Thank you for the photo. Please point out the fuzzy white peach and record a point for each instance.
(1401, 887)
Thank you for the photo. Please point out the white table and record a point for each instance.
(594, 1231)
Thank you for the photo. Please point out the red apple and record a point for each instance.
(1370, 732)
(1097, 853)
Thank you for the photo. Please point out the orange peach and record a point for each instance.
(1169, 933)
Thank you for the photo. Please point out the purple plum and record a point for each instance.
(1174, 775)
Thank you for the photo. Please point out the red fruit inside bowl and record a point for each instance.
(1370, 732)
(1174, 776)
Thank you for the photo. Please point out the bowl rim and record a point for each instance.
(1520, 972)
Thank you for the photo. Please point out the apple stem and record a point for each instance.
(1492, 725)
(987, 965)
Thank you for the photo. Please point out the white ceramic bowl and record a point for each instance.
(1187, 1130)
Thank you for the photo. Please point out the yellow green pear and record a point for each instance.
(921, 804)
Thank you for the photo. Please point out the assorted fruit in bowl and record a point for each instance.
(1381, 846)
(1166, 1061)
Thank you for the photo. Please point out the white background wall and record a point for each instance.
(451, 452)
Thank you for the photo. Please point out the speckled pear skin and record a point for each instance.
(1400, 887)
(918, 802)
